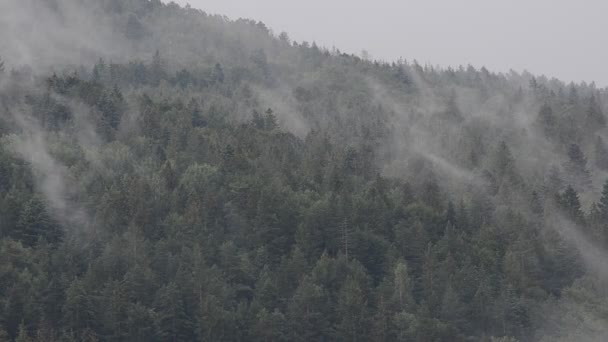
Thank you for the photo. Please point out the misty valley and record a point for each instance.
(171, 175)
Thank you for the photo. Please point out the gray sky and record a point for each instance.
(563, 39)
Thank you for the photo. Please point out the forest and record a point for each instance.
(171, 175)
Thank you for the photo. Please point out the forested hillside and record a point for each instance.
(170, 175)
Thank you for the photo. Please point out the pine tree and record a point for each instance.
(504, 164)
(430, 281)
(553, 181)
(36, 223)
(402, 288)
(572, 95)
(452, 112)
(571, 205)
(157, 69)
(450, 215)
(601, 154)
(352, 309)
(174, 322)
(112, 106)
(401, 76)
(271, 326)
(482, 306)
(307, 313)
(536, 205)
(266, 290)
(576, 168)
(99, 70)
(115, 309)
(452, 308)
(345, 236)
(533, 85)
(168, 174)
(547, 121)
(594, 116)
(196, 114)
(79, 310)
(603, 204)
(270, 120)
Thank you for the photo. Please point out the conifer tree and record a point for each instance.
(601, 153)
(576, 168)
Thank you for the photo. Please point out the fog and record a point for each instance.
(562, 39)
(124, 74)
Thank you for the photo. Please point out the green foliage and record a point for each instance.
(178, 206)
(576, 168)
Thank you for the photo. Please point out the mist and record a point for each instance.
(555, 38)
(243, 183)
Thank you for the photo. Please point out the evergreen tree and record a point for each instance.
(332, 225)
(595, 118)
(601, 153)
(80, 309)
(571, 205)
(197, 118)
(218, 73)
(536, 205)
(553, 181)
(174, 322)
(603, 204)
(402, 288)
(452, 112)
(271, 326)
(504, 164)
(352, 308)
(99, 70)
(157, 69)
(270, 121)
(452, 308)
(547, 121)
(573, 95)
(576, 168)
(35, 223)
(306, 313)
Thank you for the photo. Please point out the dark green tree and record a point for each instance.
(601, 153)
(571, 205)
(307, 316)
(547, 121)
(599, 215)
(35, 223)
(576, 168)
(173, 321)
(595, 117)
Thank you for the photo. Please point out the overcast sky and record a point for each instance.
(558, 38)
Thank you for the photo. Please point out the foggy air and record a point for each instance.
(281, 171)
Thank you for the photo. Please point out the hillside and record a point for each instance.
(170, 175)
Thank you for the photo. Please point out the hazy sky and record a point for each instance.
(564, 39)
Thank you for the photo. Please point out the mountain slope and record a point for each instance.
(170, 175)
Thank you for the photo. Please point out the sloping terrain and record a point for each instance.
(169, 175)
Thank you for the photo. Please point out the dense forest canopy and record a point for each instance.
(170, 175)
